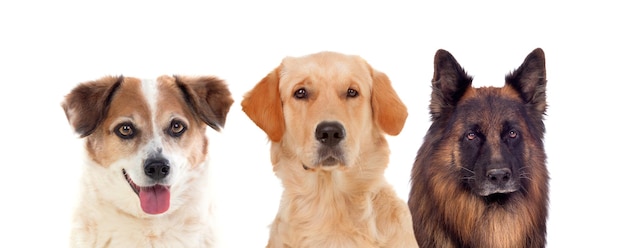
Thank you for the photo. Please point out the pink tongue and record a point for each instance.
(155, 199)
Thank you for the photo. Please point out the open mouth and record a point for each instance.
(153, 199)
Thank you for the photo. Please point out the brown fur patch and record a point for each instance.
(264, 107)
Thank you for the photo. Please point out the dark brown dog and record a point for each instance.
(480, 178)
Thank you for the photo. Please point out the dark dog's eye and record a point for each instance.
(177, 128)
(301, 94)
(471, 136)
(125, 130)
(352, 93)
(512, 134)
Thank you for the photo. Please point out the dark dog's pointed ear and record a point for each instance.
(389, 111)
(86, 105)
(264, 107)
(208, 97)
(450, 81)
(530, 80)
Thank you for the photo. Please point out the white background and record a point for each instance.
(48, 47)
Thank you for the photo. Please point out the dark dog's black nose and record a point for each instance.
(499, 176)
(330, 133)
(156, 168)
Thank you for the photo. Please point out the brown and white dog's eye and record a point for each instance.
(352, 93)
(177, 128)
(301, 94)
(125, 130)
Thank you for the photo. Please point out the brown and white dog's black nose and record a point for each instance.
(156, 168)
(330, 133)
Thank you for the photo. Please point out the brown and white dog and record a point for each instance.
(145, 183)
(326, 115)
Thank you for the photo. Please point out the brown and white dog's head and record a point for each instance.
(146, 137)
(324, 109)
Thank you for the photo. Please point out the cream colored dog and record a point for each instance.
(145, 179)
(326, 115)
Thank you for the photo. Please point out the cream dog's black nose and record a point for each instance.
(330, 133)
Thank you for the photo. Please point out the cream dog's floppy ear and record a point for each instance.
(263, 105)
(389, 111)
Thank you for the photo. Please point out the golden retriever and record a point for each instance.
(326, 115)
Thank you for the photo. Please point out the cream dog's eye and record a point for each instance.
(177, 128)
(301, 94)
(352, 93)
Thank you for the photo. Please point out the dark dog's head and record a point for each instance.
(492, 128)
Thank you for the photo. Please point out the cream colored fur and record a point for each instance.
(347, 204)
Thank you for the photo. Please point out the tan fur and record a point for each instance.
(349, 204)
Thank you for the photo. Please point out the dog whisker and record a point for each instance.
(522, 188)
(526, 177)
(468, 170)
(468, 178)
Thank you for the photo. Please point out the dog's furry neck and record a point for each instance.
(319, 206)
(353, 185)
(97, 220)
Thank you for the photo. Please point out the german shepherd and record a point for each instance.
(480, 176)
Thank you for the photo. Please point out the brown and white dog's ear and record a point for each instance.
(530, 81)
(208, 97)
(87, 104)
(264, 106)
(389, 112)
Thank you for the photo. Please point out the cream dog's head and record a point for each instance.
(146, 137)
(324, 108)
